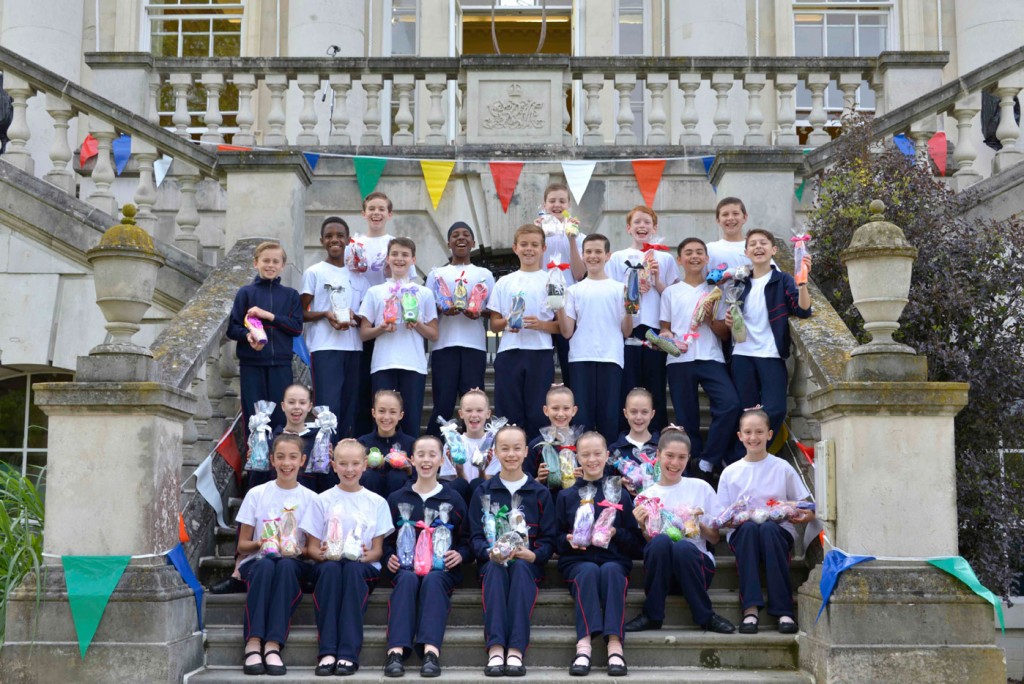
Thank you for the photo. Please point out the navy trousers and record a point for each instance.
(455, 371)
(340, 597)
(509, 594)
(411, 386)
(677, 568)
(418, 609)
(274, 587)
(683, 382)
(363, 420)
(645, 367)
(770, 545)
(764, 382)
(599, 592)
(336, 386)
(562, 352)
(522, 378)
(597, 386)
(256, 383)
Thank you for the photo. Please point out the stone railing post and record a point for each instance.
(785, 84)
(60, 151)
(817, 83)
(19, 133)
(690, 83)
(436, 85)
(245, 83)
(187, 219)
(103, 172)
(372, 85)
(308, 84)
(1008, 131)
(965, 153)
(722, 83)
(592, 85)
(275, 136)
(180, 85)
(754, 84)
(340, 84)
(624, 85)
(403, 85)
(657, 84)
(214, 84)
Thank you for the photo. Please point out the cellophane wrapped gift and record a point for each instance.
(259, 436)
(500, 512)
(423, 556)
(442, 534)
(556, 283)
(447, 470)
(783, 511)
(516, 516)
(289, 532)
(517, 311)
(392, 306)
(352, 548)
(255, 326)
(800, 271)
(648, 459)
(732, 292)
(410, 303)
(505, 547)
(397, 458)
(340, 297)
(487, 518)
(631, 296)
(443, 294)
(567, 456)
(610, 506)
(549, 454)
(334, 536)
(355, 255)
(477, 297)
(460, 300)
(406, 544)
(583, 523)
(652, 505)
(733, 516)
(551, 224)
(492, 467)
(374, 458)
(270, 542)
(453, 440)
(631, 471)
(681, 522)
(320, 455)
(651, 249)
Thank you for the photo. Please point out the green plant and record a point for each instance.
(21, 533)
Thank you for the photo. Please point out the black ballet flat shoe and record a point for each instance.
(618, 669)
(256, 668)
(274, 670)
(789, 627)
(393, 666)
(642, 623)
(343, 670)
(431, 666)
(325, 669)
(749, 627)
(230, 585)
(495, 670)
(515, 670)
(719, 625)
(578, 669)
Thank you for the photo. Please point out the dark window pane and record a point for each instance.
(12, 413)
(196, 46)
(227, 46)
(195, 25)
(38, 422)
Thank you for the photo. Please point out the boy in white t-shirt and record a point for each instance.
(645, 367)
(686, 566)
(595, 322)
(731, 216)
(399, 315)
(343, 586)
(334, 345)
(458, 359)
(523, 366)
(702, 364)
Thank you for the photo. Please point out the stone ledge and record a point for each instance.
(888, 398)
(265, 161)
(922, 59)
(756, 159)
(113, 398)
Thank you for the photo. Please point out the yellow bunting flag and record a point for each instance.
(436, 174)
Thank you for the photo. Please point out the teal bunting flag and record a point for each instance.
(90, 581)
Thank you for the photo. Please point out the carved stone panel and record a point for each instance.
(524, 107)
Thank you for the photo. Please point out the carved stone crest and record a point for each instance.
(514, 112)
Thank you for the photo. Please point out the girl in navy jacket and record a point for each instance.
(510, 590)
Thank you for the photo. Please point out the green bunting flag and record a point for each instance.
(961, 569)
(799, 192)
(90, 581)
(368, 171)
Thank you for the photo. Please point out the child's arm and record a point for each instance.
(246, 544)
(473, 528)
(376, 550)
(236, 322)
(545, 545)
(576, 265)
(533, 323)
(428, 331)
(498, 323)
(626, 327)
(798, 298)
(721, 330)
(315, 548)
(310, 316)
(368, 331)
(566, 323)
(289, 319)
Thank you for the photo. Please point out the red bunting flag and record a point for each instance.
(233, 148)
(182, 532)
(807, 451)
(506, 177)
(937, 150)
(90, 148)
(648, 177)
(228, 450)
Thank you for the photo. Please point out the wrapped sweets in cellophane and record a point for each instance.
(556, 283)
(549, 454)
(652, 505)
(374, 458)
(505, 547)
(423, 555)
(477, 297)
(443, 294)
(352, 548)
(406, 544)
(733, 516)
(648, 459)
(259, 436)
(610, 506)
(442, 534)
(453, 440)
(681, 522)
(340, 298)
(516, 516)
(487, 518)
(334, 535)
(392, 306)
(583, 524)
(631, 471)
(410, 304)
(501, 525)
(460, 301)
(732, 292)
(516, 311)
(567, 456)
(270, 544)
(631, 295)
(288, 532)
(397, 458)
(355, 255)
(255, 326)
(800, 271)
(650, 250)
(320, 455)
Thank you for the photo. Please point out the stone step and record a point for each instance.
(549, 647)
(554, 607)
(550, 675)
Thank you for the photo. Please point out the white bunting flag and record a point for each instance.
(207, 488)
(577, 176)
(160, 168)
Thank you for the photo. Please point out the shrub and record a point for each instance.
(21, 533)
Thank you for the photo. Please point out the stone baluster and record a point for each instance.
(592, 85)
(340, 84)
(60, 151)
(153, 99)
(204, 411)
(566, 115)
(1008, 131)
(625, 84)
(877, 84)
(754, 84)
(403, 85)
(214, 85)
(229, 376)
(460, 139)
(920, 133)
(189, 435)
(216, 424)
(187, 219)
(817, 83)
(277, 84)
(145, 154)
(245, 83)
(689, 118)
(656, 84)
(785, 84)
(965, 152)
(372, 85)
(722, 84)
(180, 85)
(849, 83)
(103, 172)
(19, 133)
(309, 84)
(436, 84)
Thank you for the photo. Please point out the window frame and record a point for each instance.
(25, 450)
(639, 100)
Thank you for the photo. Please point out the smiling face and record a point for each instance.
(755, 434)
(377, 215)
(560, 409)
(556, 202)
(426, 457)
(595, 256)
(760, 249)
(693, 258)
(673, 459)
(401, 260)
(474, 411)
(731, 219)
(296, 405)
(529, 247)
(510, 450)
(592, 455)
(287, 460)
(461, 243)
(349, 463)
(639, 411)
(270, 263)
(387, 413)
(334, 237)
(641, 227)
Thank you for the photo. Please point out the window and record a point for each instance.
(631, 41)
(403, 27)
(23, 425)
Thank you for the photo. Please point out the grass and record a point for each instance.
(21, 532)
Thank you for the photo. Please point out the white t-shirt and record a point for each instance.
(268, 501)
(320, 336)
(376, 249)
(677, 305)
(515, 486)
(732, 254)
(760, 341)
(402, 349)
(533, 285)
(371, 507)
(558, 243)
(462, 331)
(691, 492)
(771, 478)
(650, 303)
(469, 471)
(436, 490)
(597, 307)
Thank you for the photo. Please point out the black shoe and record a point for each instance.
(431, 666)
(325, 669)
(617, 669)
(255, 668)
(230, 585)
(393, 666)
(343, 670)
(788, 627)
(497, 670)
(749, 627)
(719, 625)
(274, 670)
(514, 670)
(578, 670)
(642, 623)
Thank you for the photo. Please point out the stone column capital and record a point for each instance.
(888, 399)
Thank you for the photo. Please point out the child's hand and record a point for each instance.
(531, 323)
(542, 472)
(641, 515)
(393, 564)
(362, 558)
(253, 342)
(525, 554)
(629, 488)
(577, 472)
(709, 307)
(472, 315)
(807, 263)
(452, 559)
(259, 313)
(323, 550)
(568, 538)
(387, 327)
(802, 515)
(654, 269)
(728, 318)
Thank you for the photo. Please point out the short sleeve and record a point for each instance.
(669, 270)
(428, 305)
(570, 302)
(313, 519)
(385, 526)
(367, 307)
(666, 306)
(711, 505)
(494, 302)
(308, 282)
(247, 511)
(795, 488)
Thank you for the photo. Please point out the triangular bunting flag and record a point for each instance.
(577, 177)
(836, 562)
(176, 557)
(436, 174)
(300, 349)
(182, 532)
(312, 158)
(207, 487)
(90, 582)
(903, 144)
(799, 192)
(648, 177)
(160, 168)
(506, 176)
(90, 148)
(961, 569)
(938, 151)
(233, 148)
(228, 450)
(368, 171)
(122, 148)
(708, 161)
(807, 451)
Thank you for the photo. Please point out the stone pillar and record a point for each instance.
(906, 76)
(266, 197)
(122, 78)
(764, 179)
(886, 486)
(113, 466)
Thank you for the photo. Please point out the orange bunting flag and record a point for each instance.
(648, 177)
(506, 177)
(228, 450)
(90, 148)
(182, 532)
(938, 151)
(436, 174)
(233, 148)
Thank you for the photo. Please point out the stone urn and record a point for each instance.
(125, 264)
